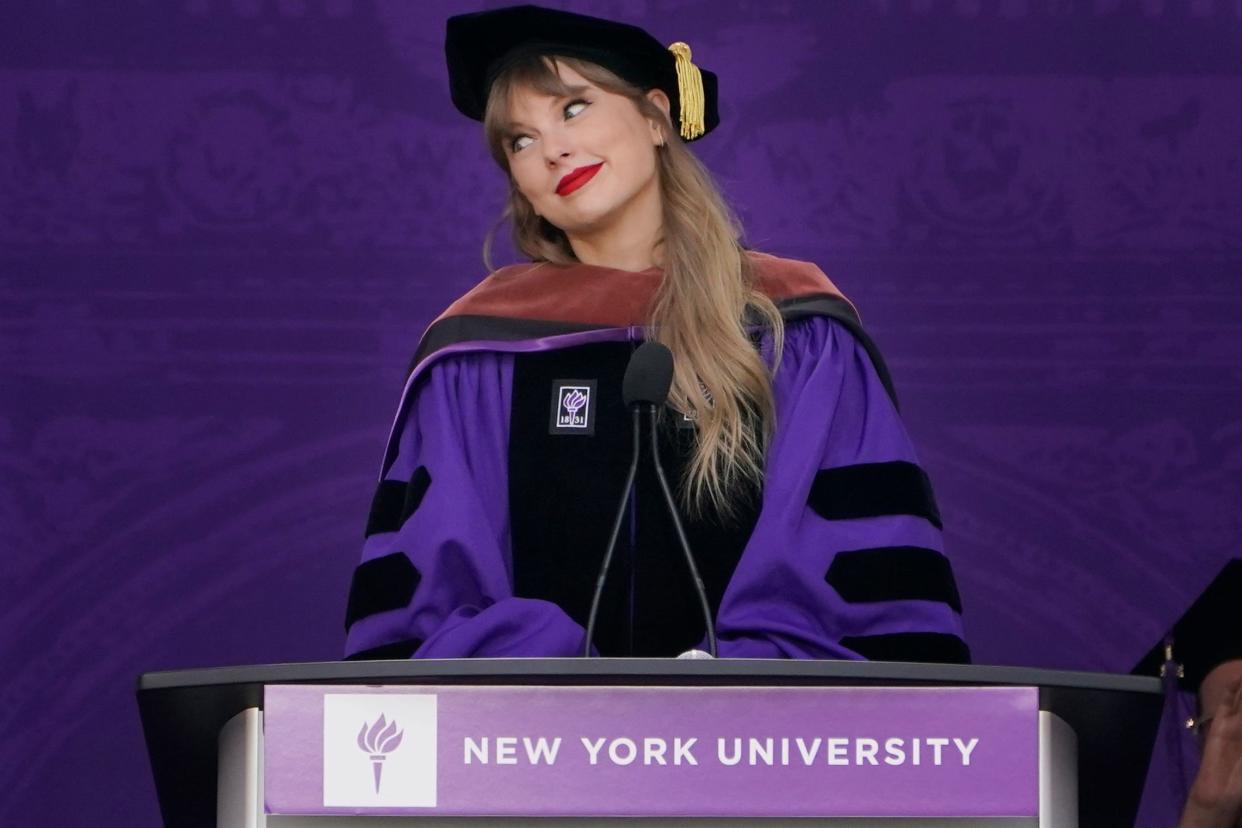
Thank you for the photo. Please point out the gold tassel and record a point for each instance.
(690, 91)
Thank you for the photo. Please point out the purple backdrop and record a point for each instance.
(224, 225)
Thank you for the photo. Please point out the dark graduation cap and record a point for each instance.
(480, 46)
(1209, 634)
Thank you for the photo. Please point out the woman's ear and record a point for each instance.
(657, 97)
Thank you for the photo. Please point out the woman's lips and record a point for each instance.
(577, 178)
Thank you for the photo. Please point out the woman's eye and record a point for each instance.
(516, 144)
(574, 107)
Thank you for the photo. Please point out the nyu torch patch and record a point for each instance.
(573, 407)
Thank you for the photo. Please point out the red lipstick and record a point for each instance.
(576, 179)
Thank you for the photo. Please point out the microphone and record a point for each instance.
(649, 375)
(650, 388)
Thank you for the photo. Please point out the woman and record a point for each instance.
(813, 527)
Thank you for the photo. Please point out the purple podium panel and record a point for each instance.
(651, 751)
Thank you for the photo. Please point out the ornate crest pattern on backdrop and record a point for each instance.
(224, 224)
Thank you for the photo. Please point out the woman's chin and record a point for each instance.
(586, 221)
(599, 211)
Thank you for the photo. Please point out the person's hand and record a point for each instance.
(1216, 795)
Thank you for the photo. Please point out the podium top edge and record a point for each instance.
(647, 671)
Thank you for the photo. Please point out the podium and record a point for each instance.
(722, 742)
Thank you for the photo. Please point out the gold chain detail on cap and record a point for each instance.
(689, 91)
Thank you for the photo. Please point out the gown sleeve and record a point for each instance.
(846, 559)
(435, 580)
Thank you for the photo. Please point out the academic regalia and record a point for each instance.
(495, 498)
(1206, 638)
(1207, 635)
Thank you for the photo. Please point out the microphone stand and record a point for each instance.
(681, 534)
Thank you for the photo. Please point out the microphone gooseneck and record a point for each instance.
(647, 382)
(709, 624)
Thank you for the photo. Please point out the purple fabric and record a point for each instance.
(832, 411)
(458, 539)
(523, 346)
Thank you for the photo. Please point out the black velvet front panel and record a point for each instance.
(563, 494)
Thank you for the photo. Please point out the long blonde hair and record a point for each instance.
(702, 307)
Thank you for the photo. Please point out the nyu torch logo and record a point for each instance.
(572, 404)
(571, 407)
(377, 740)
(396, 734)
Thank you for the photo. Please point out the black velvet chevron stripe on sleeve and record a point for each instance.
(395, 501)
(893, 573)
(935, 647)
(395, 650)
(873, 489)
(382, 584)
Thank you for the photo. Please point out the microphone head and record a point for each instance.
(649, 375)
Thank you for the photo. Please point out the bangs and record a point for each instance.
(535, 72)
(538, 73)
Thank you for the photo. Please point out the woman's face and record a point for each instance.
(585, 162)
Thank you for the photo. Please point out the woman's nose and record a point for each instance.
(556, 148)
(556, 157)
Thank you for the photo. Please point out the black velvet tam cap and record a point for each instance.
(1208, 635)
(480, 46)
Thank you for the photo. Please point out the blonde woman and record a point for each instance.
(811, 523)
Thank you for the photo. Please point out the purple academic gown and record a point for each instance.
(845, 559)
